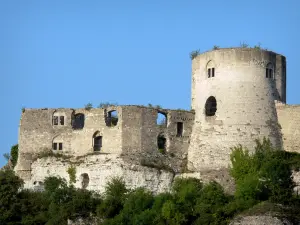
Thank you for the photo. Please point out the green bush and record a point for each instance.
(72, 174)
(115, 195)
(265, 174)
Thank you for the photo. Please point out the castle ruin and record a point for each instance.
(238, 95)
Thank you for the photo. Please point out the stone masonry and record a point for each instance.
(238, 95)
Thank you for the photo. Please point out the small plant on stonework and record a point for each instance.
(106, 104)
(88, 106)
(162, 151)
(258, 46)
(158, 106)
(194, 54)
(72, 174)
(6, 156)
(216, 47)
(244, 45)
(150, 105)
(23, 109)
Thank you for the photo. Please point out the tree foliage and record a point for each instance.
(265, 174)
(262, 175)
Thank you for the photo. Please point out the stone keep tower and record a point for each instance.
(233, 95)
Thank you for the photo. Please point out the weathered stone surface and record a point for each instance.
(101, 169)
(289, 119)
(260, 220)
(245, 103)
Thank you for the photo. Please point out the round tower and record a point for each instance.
(233, 93)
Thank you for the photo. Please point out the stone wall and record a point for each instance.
(289, 120)
(99, 170)
(245, 103)
(136, 131)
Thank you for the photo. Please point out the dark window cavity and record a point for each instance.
(62, 120)
(161, 143)
(269, 71)
(112, 118)
(60, 146)
(97, 143)
(210, 72)
(161, 119)
(179, 129)
(54, 146)
(210, 67)
(210, 106)
(78, 121)
(84, 180)
(55, 120)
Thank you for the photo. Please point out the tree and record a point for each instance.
(9, 201)
(265, 174)
(115, 195)
(14, 154)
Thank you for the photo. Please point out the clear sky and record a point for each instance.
(63, 53)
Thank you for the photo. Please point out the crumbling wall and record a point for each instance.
(135, 132)
(37, 132)
(140, 130)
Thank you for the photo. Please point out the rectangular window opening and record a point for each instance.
(267, 73)
(54, 146)
(55, 120)
(60, 146)
(179, 129)
(62, 120)
(208, 72)
(213, 72)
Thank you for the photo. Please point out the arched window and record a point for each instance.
(78, 121)
(210, 68)
(84, 180)
(58, 118)
(270, 71)
(161, 143)
(97, 141)
(161, 119)
(112, 118)
(57, 144)
(210, 106)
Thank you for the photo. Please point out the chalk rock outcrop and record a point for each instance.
(94, 171)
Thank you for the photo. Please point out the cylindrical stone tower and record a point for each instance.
(233, 93)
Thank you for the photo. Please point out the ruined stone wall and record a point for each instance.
(135, 132)
(245, 104)
(37, 133)
(289, 120)
(96, 123)
(179, 144)
(140, 130)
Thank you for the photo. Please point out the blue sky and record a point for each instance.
(68, 53)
